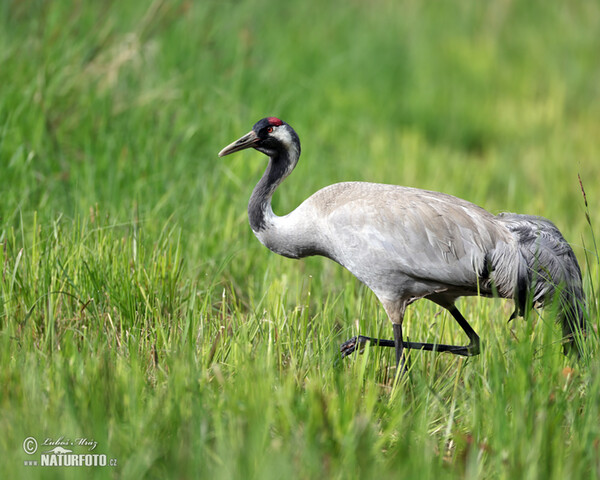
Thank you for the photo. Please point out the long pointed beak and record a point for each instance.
(247, 141)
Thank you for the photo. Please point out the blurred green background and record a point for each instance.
(126, 104)
(132, 283)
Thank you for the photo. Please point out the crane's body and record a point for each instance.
(403, 243)
(406, 244)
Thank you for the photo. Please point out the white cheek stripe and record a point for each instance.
(283, 136)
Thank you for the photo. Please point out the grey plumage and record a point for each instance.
(406, 244)
(548, 271)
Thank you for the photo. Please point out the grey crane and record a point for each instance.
(406, 244)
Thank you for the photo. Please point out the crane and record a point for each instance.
(406, 244)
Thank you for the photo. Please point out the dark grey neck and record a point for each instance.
(259, 208)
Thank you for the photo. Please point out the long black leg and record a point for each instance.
(468, 350)
(474, 346)
(399, 346)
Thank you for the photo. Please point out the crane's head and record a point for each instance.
(270, 136)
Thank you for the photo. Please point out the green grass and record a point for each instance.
(137, 309)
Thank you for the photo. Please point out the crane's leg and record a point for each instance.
(399, 347)
(468, 350)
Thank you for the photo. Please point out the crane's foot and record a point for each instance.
(358, 343)
(350, 346)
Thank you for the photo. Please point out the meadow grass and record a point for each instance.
(138, 310)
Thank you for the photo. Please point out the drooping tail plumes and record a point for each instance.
(548, 272)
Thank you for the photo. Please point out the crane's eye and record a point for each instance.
(270, 129)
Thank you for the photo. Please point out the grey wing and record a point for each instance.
(410, 236)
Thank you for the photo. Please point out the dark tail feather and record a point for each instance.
(548, 272)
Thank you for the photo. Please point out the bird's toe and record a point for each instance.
(348, 347)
